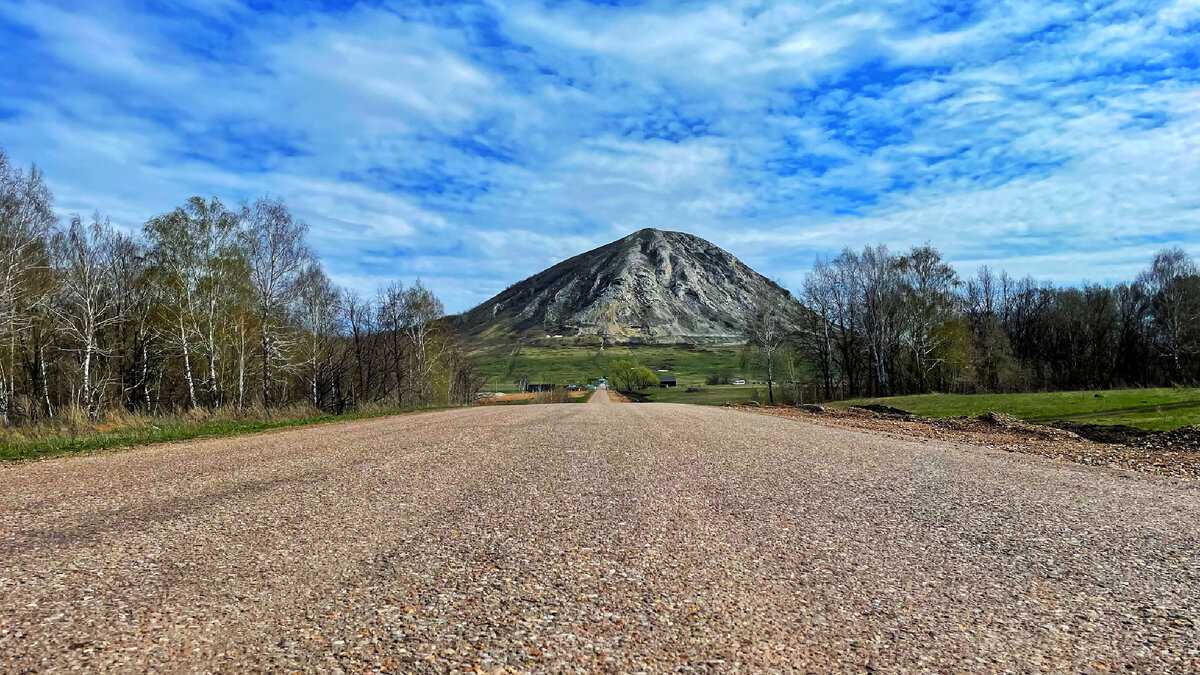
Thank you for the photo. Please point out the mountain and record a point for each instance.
(651, 287)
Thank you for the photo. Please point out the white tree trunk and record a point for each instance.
(187, 363)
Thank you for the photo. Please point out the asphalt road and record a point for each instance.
(617, 537)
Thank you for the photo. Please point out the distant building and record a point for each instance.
(666, 381)
(532, 388)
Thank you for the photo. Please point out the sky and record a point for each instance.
(472, 144)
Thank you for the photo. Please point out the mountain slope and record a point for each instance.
(651, 287)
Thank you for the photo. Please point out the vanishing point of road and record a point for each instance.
(597, 537)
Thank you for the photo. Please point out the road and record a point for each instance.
(615, 537)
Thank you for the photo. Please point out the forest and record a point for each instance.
(208, 308)
(882, 324)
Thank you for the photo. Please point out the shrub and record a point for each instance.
(555, 395)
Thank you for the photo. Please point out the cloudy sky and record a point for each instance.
(472, 144)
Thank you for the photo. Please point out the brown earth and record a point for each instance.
(1172, 453)
(593, 538)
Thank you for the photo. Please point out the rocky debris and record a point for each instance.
(1183, 439)
(1173, 453)
(882, 409)
(1002, 421)
(652, 286)
(1104, 433)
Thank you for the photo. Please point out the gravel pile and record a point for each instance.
(592, 538)
(1173, 453)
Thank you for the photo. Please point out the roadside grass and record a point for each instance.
(574, 397)
(578, 364)
(1152, 409)
(706, 395)
(134, 431)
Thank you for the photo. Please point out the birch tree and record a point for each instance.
(929, 286)
(26, 220)
(768, 330)
(276, 254)
(1172, 284)
(420, 312)
(318, 302)
(85, 305)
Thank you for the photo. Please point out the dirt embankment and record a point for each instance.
(1172, 453)
(616, 397)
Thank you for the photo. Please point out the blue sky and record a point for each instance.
(472, 144)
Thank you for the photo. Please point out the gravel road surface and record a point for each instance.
(610, 537)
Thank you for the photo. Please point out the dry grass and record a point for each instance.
(555, 395)
(71, 431)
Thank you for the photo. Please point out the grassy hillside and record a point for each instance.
(578, 364)
(1155, 409)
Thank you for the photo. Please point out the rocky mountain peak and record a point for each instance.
(651, 286)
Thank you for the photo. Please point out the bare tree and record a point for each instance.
(85, 304)
(318, 303)
(1171, 283)
(878, 276)
(359, 318)
(768, 329)
(421, 312)
(26, 219)
(276, 253)
(929, 285)
(134, 299)
(816, 325)
(392, 319)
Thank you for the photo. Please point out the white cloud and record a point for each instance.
(473, 145)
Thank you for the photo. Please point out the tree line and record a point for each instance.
(879, 324)
(208, 307)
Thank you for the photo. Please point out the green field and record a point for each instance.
(577, 365)
(1153, 409)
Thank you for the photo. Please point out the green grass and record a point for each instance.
(577, 364)
(161, 431)
(1153, 409)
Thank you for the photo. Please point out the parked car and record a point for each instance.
(739, 382)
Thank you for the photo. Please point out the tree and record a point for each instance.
(318, 304)
(629, 375)
(361, 325)
(421, 311)
(815, 334)
(928, 303)
(767, 330)
(276, 253)
(198, 261)
(26, 219)
(878, 276)
(85, 305)
(1172, 285)
(391, 321)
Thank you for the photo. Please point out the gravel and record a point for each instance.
(593, 538)
(1168, 453)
